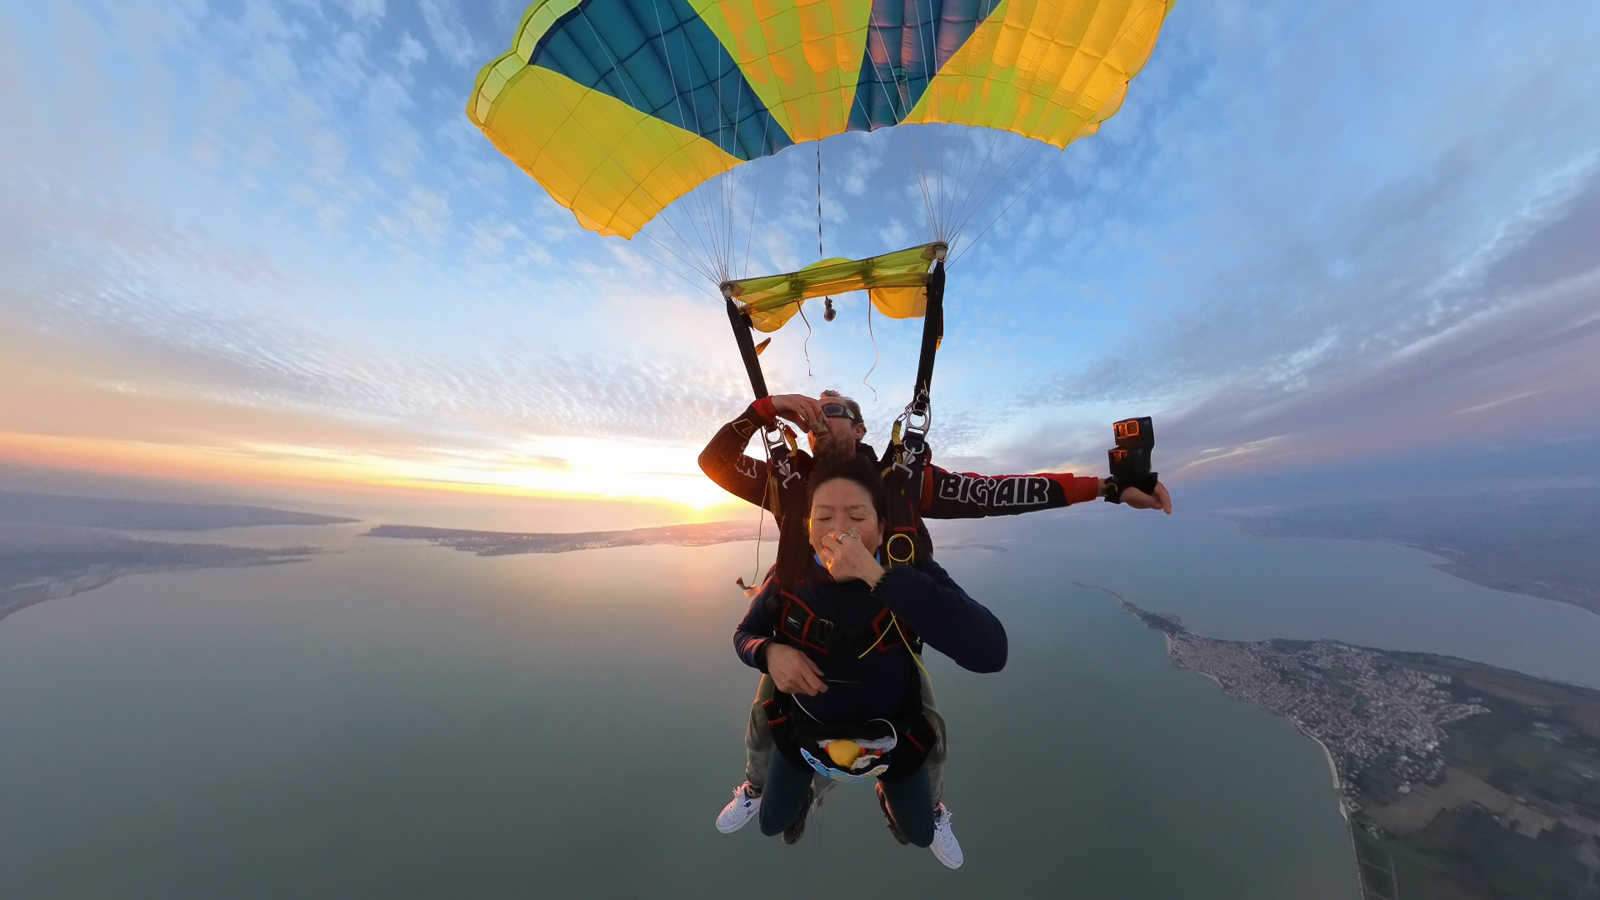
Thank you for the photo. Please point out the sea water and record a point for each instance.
(400, 720)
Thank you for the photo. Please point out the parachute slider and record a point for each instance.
(896, 283)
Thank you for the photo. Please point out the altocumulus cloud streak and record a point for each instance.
(270, 230)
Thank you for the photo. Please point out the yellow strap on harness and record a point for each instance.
(893, 620)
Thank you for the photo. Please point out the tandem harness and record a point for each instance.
(893, 750)
(888, 749)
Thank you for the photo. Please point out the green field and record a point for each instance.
(1539, 747)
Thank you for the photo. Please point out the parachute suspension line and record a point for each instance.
(942, 133)
(584, 14)
(922, 180)
(905, 200)
(990, 193)
(616, 66)
(713, 227)
(732, 194)
(956, 209)
(927, 202)
(706, 265)
(936, 219)
(1020, 194)
(701, 264)
(827, 308)
(697, 285)
(697, 201)
(727, 180)
(755, 203)
(961, 211)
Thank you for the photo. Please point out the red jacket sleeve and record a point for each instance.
(964, 495)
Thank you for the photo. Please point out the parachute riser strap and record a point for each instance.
(932, 336)
(747, 347)
(903, 476)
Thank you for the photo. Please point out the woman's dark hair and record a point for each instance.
(854, 467)
(794, 543)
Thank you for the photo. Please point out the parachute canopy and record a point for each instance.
(619, 107)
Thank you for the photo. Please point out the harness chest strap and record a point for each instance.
(797, 622)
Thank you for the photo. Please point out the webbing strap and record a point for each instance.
(794, 620)
(932, 336)
(747, 347)
(904, 468)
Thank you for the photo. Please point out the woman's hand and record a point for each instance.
(846, 557)
(1137, 499)
(793, 672)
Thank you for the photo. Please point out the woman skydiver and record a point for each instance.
(838, 635)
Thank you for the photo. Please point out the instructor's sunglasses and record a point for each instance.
(840, 411)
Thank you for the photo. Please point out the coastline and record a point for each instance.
(1394, 717)
(1333, 769)
(1167, 638)
(1214, 679)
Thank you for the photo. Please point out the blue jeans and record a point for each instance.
(788, 790)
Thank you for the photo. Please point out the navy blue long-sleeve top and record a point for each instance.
(923, 597)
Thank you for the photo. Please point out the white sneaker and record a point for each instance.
(744, 806)
(946, 848)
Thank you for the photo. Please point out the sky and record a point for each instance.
(260, 244)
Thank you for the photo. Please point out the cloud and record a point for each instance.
(449, 34)
(411, 51)
(264, 22)
(365, 12)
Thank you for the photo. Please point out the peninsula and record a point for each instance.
(503, 543)
(39, 563)
(1458, 779)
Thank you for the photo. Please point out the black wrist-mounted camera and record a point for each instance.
(1130, 458)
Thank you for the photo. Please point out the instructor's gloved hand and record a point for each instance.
(793, 672)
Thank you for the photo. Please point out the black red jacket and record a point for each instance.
(945, 494)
